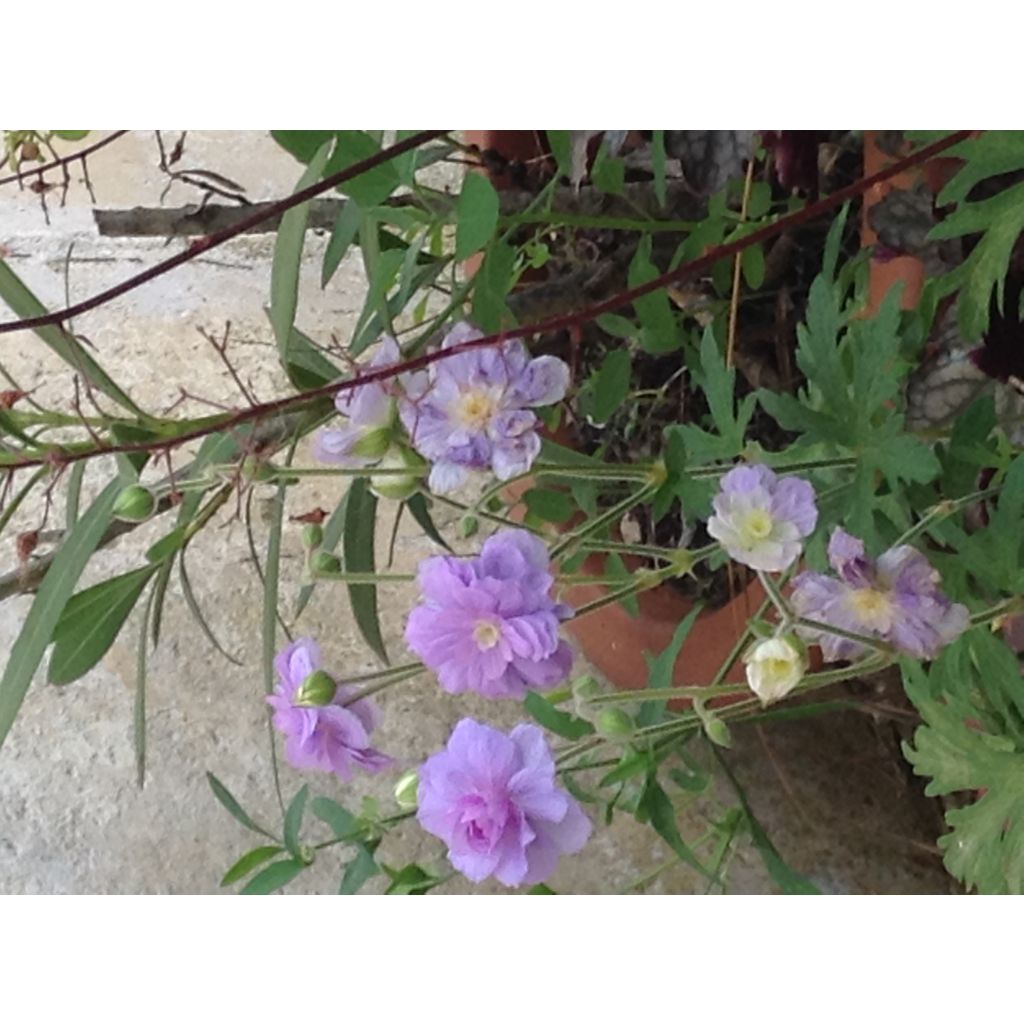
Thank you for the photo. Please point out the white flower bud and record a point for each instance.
(406, 790)
(774, 667)
(394, 485)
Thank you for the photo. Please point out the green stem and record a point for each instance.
(385, 684)
(775, 596)
(943, 510)
(610, 515)
(846, 634)
(364, 577)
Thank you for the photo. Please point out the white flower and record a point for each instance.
(774, 667)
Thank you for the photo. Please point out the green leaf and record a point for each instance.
(307, 366)
(411, 880)
(372, 187)
(358, 871)
(343, 234)
(551, 506)
(753, 267)
(197, 612)
(287, 262)
(249, 862)
(271, 574)
(71, 136)
(491, 285)
(791, 882)
(656, 807)
(476, 215)
(343, 823)
(74, 493)
(661, 669)
(971, 741)
(560, 723)
(233, 807)
(540, 890)
(608, 174)
(90, 623)
(293, 821)
(63, 343)
(608, 387)
(302, 145)
(277, 876)
(658, 166)
(660, 332)
(139, 708)
(50, 601)
(420, 509)
(358, 552)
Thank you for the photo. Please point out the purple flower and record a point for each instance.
(493, 800)
(472, 411)
(761, 520)
(489, 624)
(896, 599)
(370, 414)
(321, 735)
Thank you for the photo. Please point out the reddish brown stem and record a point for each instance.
(208, 242)
(690, 269)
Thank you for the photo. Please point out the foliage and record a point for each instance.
(666, 410)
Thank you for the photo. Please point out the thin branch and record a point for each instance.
(300, 399)
(208, 242)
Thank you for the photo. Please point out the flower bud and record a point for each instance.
(312, 535)
(398, 487)
(134, 504)
(614, 723)
(468, 525)
(317, 690)
(406, 790)
(774, 667)
(325, 562)
(256, 469)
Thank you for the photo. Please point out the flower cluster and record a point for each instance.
(471, 411)
(493, 800)
(323, 731)
(895, 599)
(761, 520)
(489, 624)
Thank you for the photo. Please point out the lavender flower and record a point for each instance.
(489, 624)
(760, 519)
(370, 414)
(472, 411)
(321, 734)
(896, 599)
(493, 800)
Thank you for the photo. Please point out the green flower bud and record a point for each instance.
(256, 469)
(406, 789)
(134, 504)
(583, 689)
(468, 525)
(312, 535)
(395, 486)
(373, 444)
(317, 690)
(325, 562)
(614, 723)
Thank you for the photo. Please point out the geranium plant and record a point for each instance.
(597, 383)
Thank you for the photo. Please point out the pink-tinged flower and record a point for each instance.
(472, 411)
(321, 734)
(762, 519)
(895, 598)
(369, 413)
(493, 800)
(488, 624)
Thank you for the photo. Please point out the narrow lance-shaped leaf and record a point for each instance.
(357, 546)
(139, 710)
(24, 304)
(284, 271)
(52, 597)
(91, 621)
(277, 876)
(249, 862)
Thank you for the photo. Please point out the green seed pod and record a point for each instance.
(317, 690)
(135, 504)
(406, 789)
(614, 723)
(396, 486)
(325, 562)
(312, 535)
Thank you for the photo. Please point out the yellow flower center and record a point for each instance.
(776, 667)
(872, 607)
(474, 409)
(756, 527)
(486, 634)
